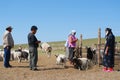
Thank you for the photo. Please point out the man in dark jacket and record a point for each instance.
(108, 59)
(33, 45)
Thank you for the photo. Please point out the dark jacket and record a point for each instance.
(110, 42)
(32, 40)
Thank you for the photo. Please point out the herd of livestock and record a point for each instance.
(78, 62)
(20, 54)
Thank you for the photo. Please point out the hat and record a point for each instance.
(108, 29)
(73, 31)
(34, 28)
(9, 27)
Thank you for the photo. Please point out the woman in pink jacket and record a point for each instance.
(72, 44)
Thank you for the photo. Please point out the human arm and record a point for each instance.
(106, 50)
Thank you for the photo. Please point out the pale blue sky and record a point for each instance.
(56, 18)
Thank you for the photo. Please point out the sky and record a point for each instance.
(56, 18)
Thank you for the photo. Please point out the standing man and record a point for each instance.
(8, 43)
(33, 45)
(108, 59)
(72, 44)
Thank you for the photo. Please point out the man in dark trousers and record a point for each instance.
(8, 43)
(109, 51)
(33, 45)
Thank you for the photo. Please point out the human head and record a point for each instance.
(108, 31)
(9, 28)
(34, 29)
(73, 32)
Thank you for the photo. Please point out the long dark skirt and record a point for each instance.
(108, 60)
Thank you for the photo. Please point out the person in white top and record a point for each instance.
(67, 48)
(8, 43)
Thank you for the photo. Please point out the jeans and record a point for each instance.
(7, 51)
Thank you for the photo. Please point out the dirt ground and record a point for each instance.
(48, 70)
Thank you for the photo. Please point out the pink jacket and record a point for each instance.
(72, 41)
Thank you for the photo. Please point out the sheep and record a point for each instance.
(1, 58)
(46, 48)
(81, 63)
(24, 55)
(101, 53)
(61, 60)
(19, 55)
(1, 55)
(16, 55)
(91, 55)
(26, 50)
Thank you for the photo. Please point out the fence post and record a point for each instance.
(81, 45)
(99, 45)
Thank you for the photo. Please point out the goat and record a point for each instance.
(20, 55)
(91, 55)
(46, 48)
(80, 63)
(61, 59)
(1, 55)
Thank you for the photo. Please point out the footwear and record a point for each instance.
(6, 67)
(110, 70)
(71, 62)
(10, 66)
(105, 69)
(35, 69)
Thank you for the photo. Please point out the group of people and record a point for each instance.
(109, 50)
(33, 42)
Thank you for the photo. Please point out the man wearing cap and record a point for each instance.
(109, 50)
(72, 44)
(33, 45)
(8, 43)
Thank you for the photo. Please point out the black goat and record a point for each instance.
(91, 55)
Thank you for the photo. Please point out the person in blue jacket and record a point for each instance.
(109, 51)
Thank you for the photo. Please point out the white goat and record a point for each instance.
(61, 59)
(1, 55)
(16, 55)
(46, 48)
